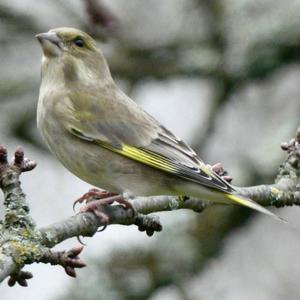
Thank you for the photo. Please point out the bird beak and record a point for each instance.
(51, 43)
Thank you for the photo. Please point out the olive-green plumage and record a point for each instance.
(106, 139)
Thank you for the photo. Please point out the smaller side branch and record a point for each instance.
(286, 190)
(87, 224)
(69, 260)
(278, 195)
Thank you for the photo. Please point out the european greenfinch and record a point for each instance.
(103, 137)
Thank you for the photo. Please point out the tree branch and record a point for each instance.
(21, 242)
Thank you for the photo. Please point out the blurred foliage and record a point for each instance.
(265, 57)
(228, 43)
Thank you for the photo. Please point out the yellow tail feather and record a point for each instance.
(251, 204)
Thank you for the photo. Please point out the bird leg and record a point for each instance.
(96, 198)
(93, 194)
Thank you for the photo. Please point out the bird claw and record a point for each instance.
(91, 195)
(95, 199)
(94, 205)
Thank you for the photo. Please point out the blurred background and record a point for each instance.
(222, 74)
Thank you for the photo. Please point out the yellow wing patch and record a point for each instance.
(199, 174)
(144, 157)
(251, 204)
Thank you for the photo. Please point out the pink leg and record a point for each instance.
(93, 194)
(95, 198)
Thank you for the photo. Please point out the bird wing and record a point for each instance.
(126, 129)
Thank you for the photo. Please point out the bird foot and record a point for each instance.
(93, 194)
(95, 199)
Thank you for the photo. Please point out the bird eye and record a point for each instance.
(79, 42)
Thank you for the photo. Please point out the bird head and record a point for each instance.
(65, 40)
(75, 52)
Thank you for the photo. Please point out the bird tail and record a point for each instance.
(251, 204)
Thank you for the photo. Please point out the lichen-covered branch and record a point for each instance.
(87, 224)
(286, 189)
(21, 242)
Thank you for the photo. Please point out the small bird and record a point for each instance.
(103, 137)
